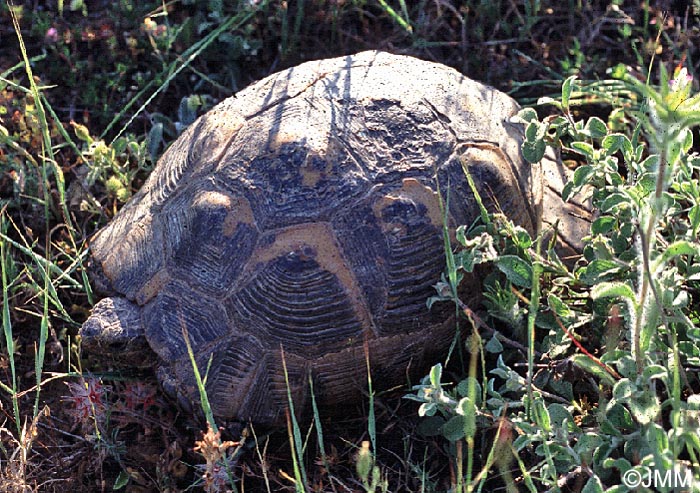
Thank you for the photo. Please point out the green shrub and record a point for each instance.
(635, 289)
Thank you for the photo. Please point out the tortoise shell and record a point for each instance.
(302, 219)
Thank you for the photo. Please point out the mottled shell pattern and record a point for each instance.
(303, 217)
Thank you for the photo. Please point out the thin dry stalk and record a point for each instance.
(14, 472)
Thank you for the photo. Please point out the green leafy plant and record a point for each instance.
(368, 472)
(636, 285)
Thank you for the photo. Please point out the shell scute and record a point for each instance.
(179, 310)
(127, 264)
(210, 237)
(298, 302)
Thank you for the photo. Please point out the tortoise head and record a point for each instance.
(115, 329)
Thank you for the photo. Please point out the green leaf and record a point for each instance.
(626, 365)
(694, 216)
(494, 345)
(586, 363)
(623, 390)
(533, 131)
(584, 148)
(566, 89)
(646, 184)
(461, 235)
(596, 271)
(436, 375)
(558, 415)
(621, 464)
(559, 307)
(463, 388)
(613, 290)
(674, 151)
(568, 191)
(122, 480)
(453, 429)
(687, 139)
(614, 202)
(586, 445)
(593, 485)
(431, 426)
(467, 408)
(618, 488)
(681, 247)
(541, 415)
(654, 371)
(427, 409)
(582, 175)
(615, 142)
(603, 224)
(526, 115)
(656, 435)
(644, 406)
(544, 100)
(619, 417)
(522, 238)
(596, 128)
(533, 150)
(516, 270)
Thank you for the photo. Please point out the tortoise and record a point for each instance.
(302, 219)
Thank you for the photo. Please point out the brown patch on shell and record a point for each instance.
(317, 241)
(412, 191)
(310, 176)
(239, 210)
(154, 286)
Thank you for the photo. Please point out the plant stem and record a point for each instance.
(647, 243)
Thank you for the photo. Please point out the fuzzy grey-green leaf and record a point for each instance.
(518, 271)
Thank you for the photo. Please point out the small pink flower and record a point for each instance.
(88, 397)
(51, 35)
(139, 394)
(681, 79)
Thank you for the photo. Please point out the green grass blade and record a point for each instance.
(451, 267)
(48, 161)
(532, 315)
(203, 397)
(7, 325)
(41, 349)
(19, 65)
(49, 290)
(187, 57)
(396, 17)
(371, 418)
(319, 430)
(295, 436)
(483, 212)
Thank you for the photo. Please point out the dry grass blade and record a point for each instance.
(16, 471)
